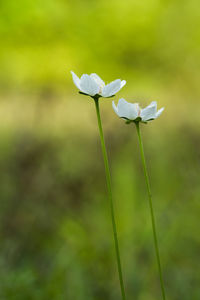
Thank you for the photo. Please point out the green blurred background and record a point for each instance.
(55, 229)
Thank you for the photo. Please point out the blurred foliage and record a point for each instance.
(55, 231)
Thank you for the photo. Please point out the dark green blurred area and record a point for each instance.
(55, 229)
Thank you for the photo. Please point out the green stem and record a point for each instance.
(108, 181)
(151, 209)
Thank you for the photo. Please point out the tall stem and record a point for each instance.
(108, 181)
(151, 209)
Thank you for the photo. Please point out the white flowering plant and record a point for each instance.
(132, 113)
(92, 85)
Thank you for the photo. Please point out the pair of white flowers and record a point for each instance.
(92, 85)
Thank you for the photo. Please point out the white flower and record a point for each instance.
(132, 111)
(93, 85)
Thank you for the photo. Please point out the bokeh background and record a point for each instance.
(55, 230)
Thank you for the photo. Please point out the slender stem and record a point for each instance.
(151, 209)
(108, 181)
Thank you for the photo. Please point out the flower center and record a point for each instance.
(101, 86)
(138, 109)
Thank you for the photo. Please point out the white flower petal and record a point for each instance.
(126, 110)
(111, 88)
(123, 82)
(149, 112)
(115, 108)
(88, 85)
(153, 103)
(98, 80)
(76, 80)
(159, 112)
(123, 108)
